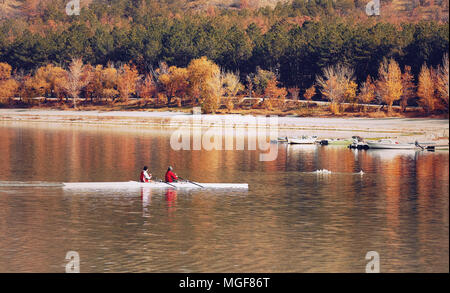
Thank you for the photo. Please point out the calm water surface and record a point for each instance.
(290, 220)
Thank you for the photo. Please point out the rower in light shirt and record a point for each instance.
(145, 177)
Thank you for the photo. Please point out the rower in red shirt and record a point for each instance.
(170, 176)
(145, 177)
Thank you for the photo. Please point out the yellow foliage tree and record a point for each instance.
(175, 82)
(5, 71)
(443, 81)
(50, 80)
(8, 86)
(350, 92)
(126, 81)
(426, 90)
(109, 83)
(232, 84)
(389, 85)
(205, 83)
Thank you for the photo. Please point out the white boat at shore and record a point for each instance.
(302, 140)
(390, 144)
(153, 184)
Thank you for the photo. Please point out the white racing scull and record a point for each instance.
(153, 184)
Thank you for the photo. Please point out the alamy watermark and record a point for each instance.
(209, 134)
(373, 8)
(373, 266)
(73, 7)
(73, 265)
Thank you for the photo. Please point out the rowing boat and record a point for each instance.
(302, 140)
(390, 144)
(153, 184)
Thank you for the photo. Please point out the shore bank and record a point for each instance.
(400, 128)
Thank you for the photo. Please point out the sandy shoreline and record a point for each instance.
(401, 128)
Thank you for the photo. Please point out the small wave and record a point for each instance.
(325, 171)
(29, 184)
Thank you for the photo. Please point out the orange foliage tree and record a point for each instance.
(49, 81)
(126, 81)
(426, 90)
(409, 88)
(175, 82)
(274, 96)
(367, 92)
(8, 86)
(146, 88)
(294, 92)
(309, 93)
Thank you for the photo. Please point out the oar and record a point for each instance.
(165, 182)
(418, 145)
(191, 182)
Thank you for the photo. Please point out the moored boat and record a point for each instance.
(358, 143)
(390, 144)
(302, 140)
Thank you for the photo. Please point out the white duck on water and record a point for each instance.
(323, 171)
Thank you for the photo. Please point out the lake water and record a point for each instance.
(290, 220)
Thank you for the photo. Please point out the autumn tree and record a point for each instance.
(231, 84)
(55, 77)
(36, 85)
(8, 86)
(249, 86)
(408, 88)
(274, 96)
(127, 77)
(367, 92)
(261, 79)
(426, 90)
(205, 83)
(76, 81)
(389, 84)
(309, 93)
(350, 92)
(334, 84)
(109, 83)
(443, 81)
(175, 82)
(294, 92)
(212, 93)
(146, 88)
(94, 88)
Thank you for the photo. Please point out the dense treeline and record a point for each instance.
(295, 41)
(203, 83)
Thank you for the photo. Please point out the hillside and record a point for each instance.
(410, 9)
(9, 8)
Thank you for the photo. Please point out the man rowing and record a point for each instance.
(170, 176)
(145, 177)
